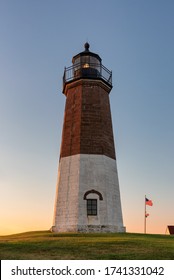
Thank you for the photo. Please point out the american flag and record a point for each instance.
(149, 202)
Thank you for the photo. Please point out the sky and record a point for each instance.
(135, 40)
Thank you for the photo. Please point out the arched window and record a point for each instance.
(91, 207)
(91, 203)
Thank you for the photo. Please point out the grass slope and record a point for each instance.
(42, 245)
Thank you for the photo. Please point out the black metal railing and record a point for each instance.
(88, 70)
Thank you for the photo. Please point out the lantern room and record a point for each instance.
(87, 65)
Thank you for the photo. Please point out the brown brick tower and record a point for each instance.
(87, 197)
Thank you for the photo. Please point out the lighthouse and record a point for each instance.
(87, 192)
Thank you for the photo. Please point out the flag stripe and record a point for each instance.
(149, 202)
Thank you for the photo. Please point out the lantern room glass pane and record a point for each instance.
(77, 63)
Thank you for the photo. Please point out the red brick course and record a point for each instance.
(87, 127)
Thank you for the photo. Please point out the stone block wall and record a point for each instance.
(79, 174)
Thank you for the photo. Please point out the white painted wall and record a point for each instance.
(77, 175)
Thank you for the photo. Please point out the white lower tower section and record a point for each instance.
(82, 178)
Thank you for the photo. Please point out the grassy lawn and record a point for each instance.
(75, 246)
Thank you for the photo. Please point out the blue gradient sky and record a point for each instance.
(135, 39)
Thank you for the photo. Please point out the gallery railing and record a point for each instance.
(87, 71)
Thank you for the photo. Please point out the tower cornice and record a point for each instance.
(89, 82)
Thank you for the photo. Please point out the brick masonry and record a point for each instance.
(87, 125)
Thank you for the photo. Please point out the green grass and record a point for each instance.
(41, 245)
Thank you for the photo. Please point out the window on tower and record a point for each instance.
(92, 207)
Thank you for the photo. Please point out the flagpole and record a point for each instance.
(145, 215)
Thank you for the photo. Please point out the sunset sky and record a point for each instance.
(38, 38)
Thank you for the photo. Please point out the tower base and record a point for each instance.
(82, 179)
(91, 228)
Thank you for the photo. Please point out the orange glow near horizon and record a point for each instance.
(40, 219)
